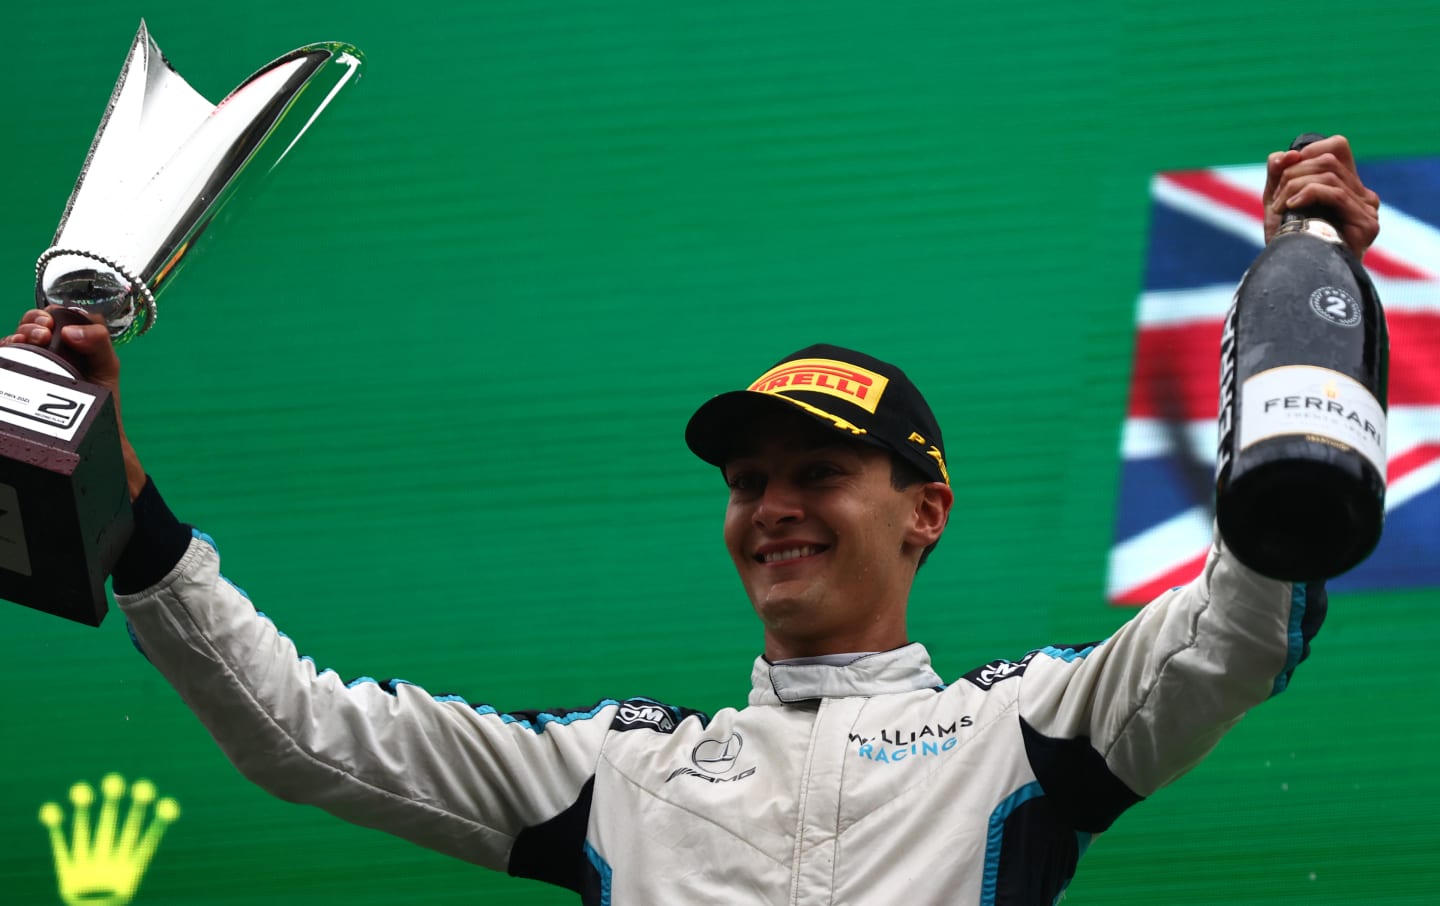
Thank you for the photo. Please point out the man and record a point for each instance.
(855, 775)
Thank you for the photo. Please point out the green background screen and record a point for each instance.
(427, 388)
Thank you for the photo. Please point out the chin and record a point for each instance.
(787, 612)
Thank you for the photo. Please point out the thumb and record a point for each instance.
(86, 338)
(90, 345)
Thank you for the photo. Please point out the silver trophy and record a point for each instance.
(163, 163)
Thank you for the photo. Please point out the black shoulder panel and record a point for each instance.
(1076, 780)
(554, 852)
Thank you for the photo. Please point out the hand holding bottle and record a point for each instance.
(1304, 372)
(1322, 177)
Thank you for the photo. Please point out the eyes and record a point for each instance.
(750, 479)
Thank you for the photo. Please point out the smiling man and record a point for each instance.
(837, 490)
(854, 775)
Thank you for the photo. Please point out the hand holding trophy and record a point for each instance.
(163, 162)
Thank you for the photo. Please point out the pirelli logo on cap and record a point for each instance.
(838, 379)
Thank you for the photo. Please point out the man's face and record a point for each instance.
(824, 543)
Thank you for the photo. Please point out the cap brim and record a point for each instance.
(726, 421)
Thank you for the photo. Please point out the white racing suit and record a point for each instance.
(866, 780)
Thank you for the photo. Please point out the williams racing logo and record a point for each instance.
(854, 385)
(898, 744)
(715, 759)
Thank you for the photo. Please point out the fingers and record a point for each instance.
(87, 346)
(1322, 176)
(1298, 170)
(34, 329)
(1275, 166)
(27, 335)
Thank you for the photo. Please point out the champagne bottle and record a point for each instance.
(1300, 475)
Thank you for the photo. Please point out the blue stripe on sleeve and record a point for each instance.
(135, 640)
(542, 719)
(1066, 654)
(199, 535)
(535, 721)
(1294, 638)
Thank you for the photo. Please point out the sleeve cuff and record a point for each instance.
(159, 541)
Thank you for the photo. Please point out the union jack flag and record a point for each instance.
(1205, 229)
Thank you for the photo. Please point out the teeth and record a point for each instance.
(791, 554)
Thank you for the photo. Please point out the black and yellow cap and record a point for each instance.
(864, 398)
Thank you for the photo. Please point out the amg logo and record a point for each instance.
(691, 772)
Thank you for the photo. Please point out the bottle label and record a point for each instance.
(1326, 406)
(1336, 306)
(1227, 394)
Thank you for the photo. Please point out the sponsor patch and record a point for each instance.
(987, 676)
(892, 744)
(643, 715)
(858, 386)
(716, 760)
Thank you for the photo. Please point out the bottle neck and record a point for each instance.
(1314, 226)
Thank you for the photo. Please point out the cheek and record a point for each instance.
(734, 531)
(885, 528)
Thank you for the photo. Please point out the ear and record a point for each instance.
(932, 511)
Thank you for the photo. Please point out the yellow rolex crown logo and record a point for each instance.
(102, 863)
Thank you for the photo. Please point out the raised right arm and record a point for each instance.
(455, 777)
(464, 779)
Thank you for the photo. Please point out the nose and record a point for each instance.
(780, 503)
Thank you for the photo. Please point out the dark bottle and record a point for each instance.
(1300, 476)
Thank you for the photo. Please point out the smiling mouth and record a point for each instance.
(791, 553)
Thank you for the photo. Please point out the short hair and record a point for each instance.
(905, 475)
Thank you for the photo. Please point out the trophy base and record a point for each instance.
(64, 503)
